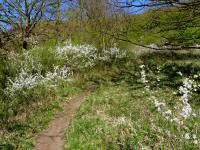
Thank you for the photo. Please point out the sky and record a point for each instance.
(136, 10)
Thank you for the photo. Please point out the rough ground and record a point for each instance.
(53, 137)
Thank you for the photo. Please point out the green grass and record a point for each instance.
(122, 117)
(35, 118)
(120, 114)
(30, 111)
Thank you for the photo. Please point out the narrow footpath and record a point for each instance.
(53, 137)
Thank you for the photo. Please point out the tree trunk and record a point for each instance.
(58, 17)
(1, 43)
(25, 44)
(26, 37)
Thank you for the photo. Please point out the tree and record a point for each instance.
(96, 17)
(22, 15)
(176, 21)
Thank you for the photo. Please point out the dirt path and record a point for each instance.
(53, 137)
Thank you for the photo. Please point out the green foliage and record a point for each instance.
(190, 36)
(179, 27)
(119, 115)
(30, 111)
(122, 117)
(32, 94)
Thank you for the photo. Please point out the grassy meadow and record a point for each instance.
(144, 99)
(128, 113)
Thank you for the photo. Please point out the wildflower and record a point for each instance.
(31, 69)
(89, 54)
(143, 78)
(153, 97)
(23, 80)
(61, 73)
(195, 76)
(159, 105)
(115, 52)
(142, 66)
(168, 112)
(158, 69)
(185, 90)
(177, 120)
(122, 120)
(186, 111)
(194, 114)
(195, 142)
(180, 73)
(187, 136)
(194, 136)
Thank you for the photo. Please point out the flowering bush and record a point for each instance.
(81, 56)
(28, 81)
(182, 111)
(48, 67)
(112, 54)
(87, 56)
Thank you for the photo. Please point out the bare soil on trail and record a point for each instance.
(53, 137)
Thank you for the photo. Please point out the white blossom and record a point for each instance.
(183, 110)
(89, 53)
(159, 105)
(30, 74)
(168, 112)
(29, 81)
(195, 76)
(180, 73)
(143, 78)
(187, 136)
(185, 90)
(195, 142)
(194, 136)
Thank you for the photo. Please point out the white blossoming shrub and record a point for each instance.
(182, 113)
(112, 54)
(87, 56)
(46, 67)
(24, 63)
(81, 56)
(23, 80)
(29, 81)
